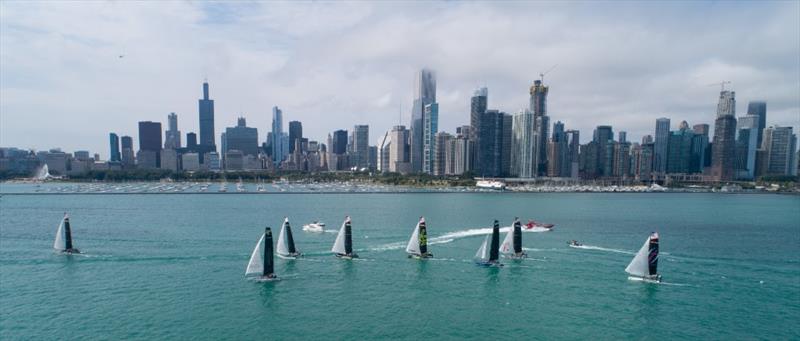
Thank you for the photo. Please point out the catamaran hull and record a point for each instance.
(653, 279)
(489, 264)
(267, 279)
(69, 251)
(427, 255)
(343, 256)
(517, 257)
(291, 256)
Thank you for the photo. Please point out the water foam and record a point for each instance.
(598, 248)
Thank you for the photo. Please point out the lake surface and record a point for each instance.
(171, 267)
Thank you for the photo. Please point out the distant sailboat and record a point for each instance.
(343, 246)
(644, 266)
(261, 261)
(418, 244)
(488, 254)
(285, 247)
(512, 245)
(63, 242)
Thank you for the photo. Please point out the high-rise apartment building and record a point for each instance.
(780, 145)
(399, 151)
(442, 149)
(277, 136)
(478, 106)
(661, 145)
(724, 145)
(360, 148)
(538, 105)
(523, 145)
(430, 126)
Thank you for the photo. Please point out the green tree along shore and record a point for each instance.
(423, 180)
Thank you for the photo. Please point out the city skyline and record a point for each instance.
(584, 92)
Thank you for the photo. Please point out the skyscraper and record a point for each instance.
(424, 94)
(206, 109)
(113, 142)
(430, 126)
(172, 138)
(399, 158)
(573, 140)
(295, 133)
(746, 146)
(277, 134)
(558, 153)
(679, 151)
(149, 144)
(538, 105)
(384, 143)
(660, 147)
(780, 145)
(128, 158)
(360, 149)
(191, 142)
(241, 138)
(604, 138)
(759, 108)
(478, 104)
(523, 145)
(338, 153)
(724, 145)
(440, 154)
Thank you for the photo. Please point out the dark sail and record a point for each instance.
(494, 253)
(517, 237)
(348, 238)
(423, 238)
(652, 257)
(67, 234)
(269, 263)
(289, 238)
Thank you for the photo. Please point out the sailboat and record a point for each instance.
(343, 246)
(418, 244)
(488, 254)
(63, 242)
(512, 245)
(261, 261)
(285, 247)
(644, 266)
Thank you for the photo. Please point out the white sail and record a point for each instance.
(508, 243)
(639, 265)
(256, 264)
(413, 243)
(338, 245)
(482, 253)
(60, 243)
(282, 247)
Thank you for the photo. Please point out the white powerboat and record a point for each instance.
(316, 226)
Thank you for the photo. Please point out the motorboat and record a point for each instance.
(316, 226)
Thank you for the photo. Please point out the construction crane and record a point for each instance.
(721, 85)
(541, 75)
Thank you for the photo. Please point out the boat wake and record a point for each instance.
(598, 248)
(450, 237)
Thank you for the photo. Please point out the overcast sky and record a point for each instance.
(334, 65)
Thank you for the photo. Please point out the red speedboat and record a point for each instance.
(533, 224)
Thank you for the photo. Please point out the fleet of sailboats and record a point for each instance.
(285, 247)
(343, 246)
(418, 244)
(261, 261)
(63, 241)
(644, 266)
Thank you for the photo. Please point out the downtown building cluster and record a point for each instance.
(494, 144)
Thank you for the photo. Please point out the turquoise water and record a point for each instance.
(171, 267)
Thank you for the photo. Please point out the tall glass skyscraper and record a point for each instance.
(660, 147)
(113, 141)
(538, 105)
(206, 109)
(478, 104)
(759, 108)
(523, 145)
(277, 135)
(430, 126)
(424, 94)
(361, 146)
(295, 134)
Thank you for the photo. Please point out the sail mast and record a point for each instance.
(495, 246)
(423, 237)
(269, 266)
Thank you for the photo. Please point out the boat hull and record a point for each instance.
(489, 264)
(424, 256)
(344, 256)
(517, 257)
(267, 279)
(291, 255)
(650, 279)
(70, 251)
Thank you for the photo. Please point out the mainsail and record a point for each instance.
(645, 263)
(507, 246)
(285, 246)
(482, 254)
(344, 240)
(413, 243)
(495, 246)
(59, 243)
